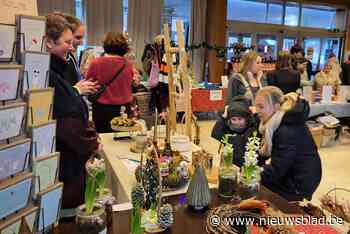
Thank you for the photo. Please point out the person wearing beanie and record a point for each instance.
(239, 122)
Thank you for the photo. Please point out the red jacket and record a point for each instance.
(103, 69)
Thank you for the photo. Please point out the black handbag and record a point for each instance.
(93, 97)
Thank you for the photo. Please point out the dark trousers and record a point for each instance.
(102, 115)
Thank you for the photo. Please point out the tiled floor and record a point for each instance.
(335, 162)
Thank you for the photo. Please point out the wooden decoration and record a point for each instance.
(16, 193)
(36, 70)
(39, 106)
(31, 33)
(169, 59)
(14, 158)
(11, 118)
(12, 228)
(7, 42)
(185, 78)
(43, 139)
(49, 207)
(24, 222)
(45, 172)
(10, 76)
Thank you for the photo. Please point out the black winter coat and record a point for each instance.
(238, 140)
(76, 139)
(295, 170)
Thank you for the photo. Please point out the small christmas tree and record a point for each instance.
(165, 216)
(198, 193)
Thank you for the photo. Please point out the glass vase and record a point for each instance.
(227, 181)
(249, 188)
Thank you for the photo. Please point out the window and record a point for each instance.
(275, 13)
(318, 17)
(175, 10)
(315, 43)
(79, 11)
(246, 10)
(288, 43)
(125, 15)
(329, 46)
(234, 38)
(292, 14)
(267, 46)
(80, 14)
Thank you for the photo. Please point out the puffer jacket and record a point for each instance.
(295, 169)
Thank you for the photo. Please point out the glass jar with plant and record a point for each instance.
(250, 171)
(227, 172)
(91, 217)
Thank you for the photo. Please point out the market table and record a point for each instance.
(339, 109)
(121, 180)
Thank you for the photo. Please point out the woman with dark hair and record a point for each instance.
(114, 71)
(76, 139)
(284, 77)
(295, 169)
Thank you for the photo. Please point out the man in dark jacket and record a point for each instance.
(295, 168)
(239, 122)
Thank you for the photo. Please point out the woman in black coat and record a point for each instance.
(295, 169)
(76, 139)
(284, 77)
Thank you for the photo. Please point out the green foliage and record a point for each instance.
(228, 150)
(90, 194)
(136, 221)
(95, 183)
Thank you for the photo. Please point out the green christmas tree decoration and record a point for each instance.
(138, 195)
(166, 217)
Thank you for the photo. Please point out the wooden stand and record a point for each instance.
(184, 76)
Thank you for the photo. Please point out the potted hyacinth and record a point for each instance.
(91, 217)
(250, 171)
(227, 173)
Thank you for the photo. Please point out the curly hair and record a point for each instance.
(55, 26)
(115, 44)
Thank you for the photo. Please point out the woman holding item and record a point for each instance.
(76, 139)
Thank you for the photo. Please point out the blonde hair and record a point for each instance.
(274, 95)
(247, 60)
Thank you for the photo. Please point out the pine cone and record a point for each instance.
(166, 218)
(138, 195)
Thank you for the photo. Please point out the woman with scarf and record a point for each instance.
(295, 168)
(76, 138)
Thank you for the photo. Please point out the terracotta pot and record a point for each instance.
(94, 223)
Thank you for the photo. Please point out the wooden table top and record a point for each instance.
(186, 220)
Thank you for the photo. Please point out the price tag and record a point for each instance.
(215, 95)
